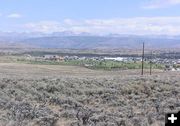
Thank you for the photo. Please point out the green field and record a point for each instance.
(96, 64)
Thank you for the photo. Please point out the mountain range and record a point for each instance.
(86, 40)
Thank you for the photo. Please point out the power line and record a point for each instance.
(142, 70)
(151, 64)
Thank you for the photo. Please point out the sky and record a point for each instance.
(149, 17)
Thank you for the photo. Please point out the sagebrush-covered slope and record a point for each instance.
(97, 100)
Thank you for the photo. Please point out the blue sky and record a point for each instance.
(94, 16)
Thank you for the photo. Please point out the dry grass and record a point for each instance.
(47, 95)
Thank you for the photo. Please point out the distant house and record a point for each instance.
(53, 57)
(168, 67)
(171, 68)
(72, 57)
(38, 58)
(114, 58)
(88, 65)
(47, 57)
(61, 58)
(178, 62)
(28, 57)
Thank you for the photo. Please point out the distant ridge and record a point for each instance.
(85, 40)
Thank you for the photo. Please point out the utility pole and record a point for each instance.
(151, 64)
(142, 70)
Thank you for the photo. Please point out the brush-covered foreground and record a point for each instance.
(42, 95)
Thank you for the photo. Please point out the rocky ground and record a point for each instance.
(87, 100)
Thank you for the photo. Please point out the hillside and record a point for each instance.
(80, 42)
(87, 41)
(48, 95)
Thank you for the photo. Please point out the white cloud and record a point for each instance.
(70, 22)
(14, 15)
(44, 26)
(155, 4)
(139, 25)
